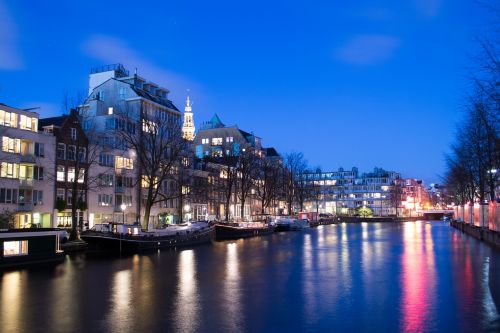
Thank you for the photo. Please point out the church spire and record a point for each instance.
(188, 125)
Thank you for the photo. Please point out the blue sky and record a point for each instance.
(349, 83)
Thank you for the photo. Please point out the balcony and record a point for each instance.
(119, 189)
(25, 183)
(27, 158)
(25, 207)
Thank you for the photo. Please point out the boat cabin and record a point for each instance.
(27, 246)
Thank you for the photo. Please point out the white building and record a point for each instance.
(342, 191)
(112, 93)
(26, 187)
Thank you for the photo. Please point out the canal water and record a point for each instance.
(381, 277)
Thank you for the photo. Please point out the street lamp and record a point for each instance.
(123, 207)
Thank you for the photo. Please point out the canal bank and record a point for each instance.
(490, 237)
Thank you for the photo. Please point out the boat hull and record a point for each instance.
(226, 232)
(112, 243)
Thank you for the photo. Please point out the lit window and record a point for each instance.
(145, 182)
(71, 174)
(81, 176)
(9, 170)
(8, 118)
(28, 123)
(60, 173)
(110, 110)
(10, 145)
(123, 163)
(15, 248)
(216, 141)
(229, 139)
(149, 126)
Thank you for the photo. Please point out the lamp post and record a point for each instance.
(123, 207)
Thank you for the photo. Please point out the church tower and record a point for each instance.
(188, 125)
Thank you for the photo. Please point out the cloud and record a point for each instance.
(428, 8)
(368, 49)
(110, 50)
(10, 57)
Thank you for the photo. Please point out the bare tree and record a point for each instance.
(158, 146)
(247, 172)
(267, 183)
(295, 165)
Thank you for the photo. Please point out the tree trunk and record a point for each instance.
(145, 220)
(226, 211)
(75, 235)
(242, 208)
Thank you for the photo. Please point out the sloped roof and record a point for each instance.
(56, 121)
(156, 99)
(216, 122)
(271, 152)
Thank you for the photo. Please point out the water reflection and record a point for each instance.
(121, 306)
(233, 315)
(11, 301)
(343, 278)
(418, 279)
(186, 304)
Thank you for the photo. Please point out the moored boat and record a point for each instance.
(288, 224)
(20, 247)
(123, 238)
(224, 231)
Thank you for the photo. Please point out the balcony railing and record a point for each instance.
(26, 182)
(27, 158)
(25, 207)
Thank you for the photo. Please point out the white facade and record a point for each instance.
(112, 93)
(27, 156)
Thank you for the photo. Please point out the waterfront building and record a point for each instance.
(69, 170)
(118, 101)
(415, 197)
(341, 192)
(214, 139)
(27, 155)
(219, 147)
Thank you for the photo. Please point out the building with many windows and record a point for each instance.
(118, 101)
(214, 139)
(26, 187)
(70, 169)
(220, 147)
(342, 191)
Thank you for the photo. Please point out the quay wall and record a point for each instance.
(489, 236)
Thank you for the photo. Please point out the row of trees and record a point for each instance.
(473, 164)
(248, 174)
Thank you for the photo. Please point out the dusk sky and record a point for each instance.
(348, 83)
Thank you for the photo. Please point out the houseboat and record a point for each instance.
(29, 246)
(226, 231)
(290, 224)
(130, 238)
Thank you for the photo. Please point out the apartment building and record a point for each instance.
(26, 187)
(70, 170)
(218, 146)
(342, 191)
(118, 101)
